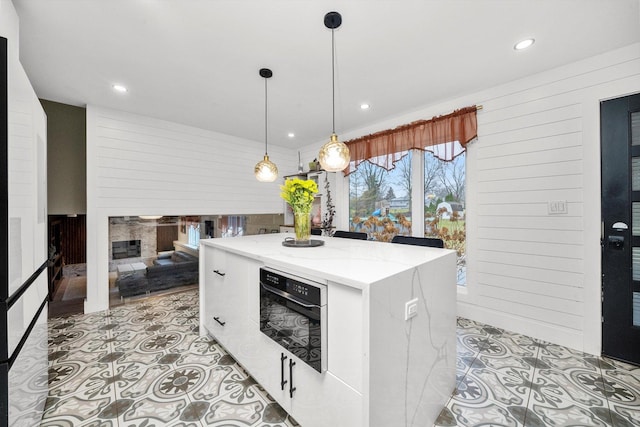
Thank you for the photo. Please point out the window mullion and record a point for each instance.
(417, 193)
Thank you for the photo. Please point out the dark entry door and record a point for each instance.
(620, 151)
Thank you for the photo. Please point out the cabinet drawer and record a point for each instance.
(226, 296)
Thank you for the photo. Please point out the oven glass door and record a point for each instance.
(293, 325)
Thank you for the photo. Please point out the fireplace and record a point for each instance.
(126, 249)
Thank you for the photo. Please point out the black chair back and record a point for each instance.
(316, 231)
(350, 235)
(418, 241)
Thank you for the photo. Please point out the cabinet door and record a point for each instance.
(261, 357)
(319, 400)
(225, 296)
(214, 307)
(234, 299)
(322, 399)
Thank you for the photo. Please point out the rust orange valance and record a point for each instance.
(445, 136)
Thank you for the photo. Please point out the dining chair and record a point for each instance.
(418, 241)
(316, 231)
(350, 235)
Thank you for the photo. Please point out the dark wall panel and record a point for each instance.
(166, 235)
(73, 237)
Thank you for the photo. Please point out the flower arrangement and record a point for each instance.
(298, 193)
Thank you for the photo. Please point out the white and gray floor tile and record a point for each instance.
(143, 364)
(508, 379)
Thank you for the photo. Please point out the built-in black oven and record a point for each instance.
(293, 313)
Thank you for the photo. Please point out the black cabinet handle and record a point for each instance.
(291, 387)
(282, 380)
(217, 319)
(219, 273)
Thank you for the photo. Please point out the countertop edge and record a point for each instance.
(268, 250)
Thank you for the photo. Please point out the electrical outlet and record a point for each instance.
(411, 309)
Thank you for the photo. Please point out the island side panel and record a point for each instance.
(346, 340)
(202, 265)
(412, 362)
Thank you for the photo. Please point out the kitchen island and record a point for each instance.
(389, 347)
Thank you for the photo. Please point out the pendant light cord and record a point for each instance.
(333, 81)
(265, 118)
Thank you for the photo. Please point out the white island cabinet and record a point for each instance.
(384, 368)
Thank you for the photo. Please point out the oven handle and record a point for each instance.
(287, 296)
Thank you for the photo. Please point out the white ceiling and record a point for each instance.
(196, 62)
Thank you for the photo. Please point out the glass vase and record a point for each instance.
(302, 225)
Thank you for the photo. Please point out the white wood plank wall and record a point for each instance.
(138, 165)
(144, 165)
(529, 265)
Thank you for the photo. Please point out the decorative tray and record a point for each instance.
(290, 242)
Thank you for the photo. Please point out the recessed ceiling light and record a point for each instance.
(364, 106)
(120, 88)
(524, 44)
(291, 134)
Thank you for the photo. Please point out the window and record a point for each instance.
(444, 205)
(232, 225)
(383, 183)
(194, 234)
(380, 200)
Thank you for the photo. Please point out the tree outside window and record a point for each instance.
(380, 200)
(444, 205)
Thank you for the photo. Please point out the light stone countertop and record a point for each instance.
(356, 263)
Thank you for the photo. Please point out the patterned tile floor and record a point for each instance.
(144, 365)
(508, 379)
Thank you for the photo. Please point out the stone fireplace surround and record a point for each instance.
(133, 228)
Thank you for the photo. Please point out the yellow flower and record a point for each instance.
(298, 193)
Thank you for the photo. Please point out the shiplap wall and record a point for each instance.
(138, 165)
(538, 141)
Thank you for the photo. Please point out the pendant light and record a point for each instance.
(334, 156)
(265, 170)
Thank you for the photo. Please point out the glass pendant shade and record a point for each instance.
(266, 170)
(334, 156)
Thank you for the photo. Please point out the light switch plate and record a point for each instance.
(555, 207)
(411, 309)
